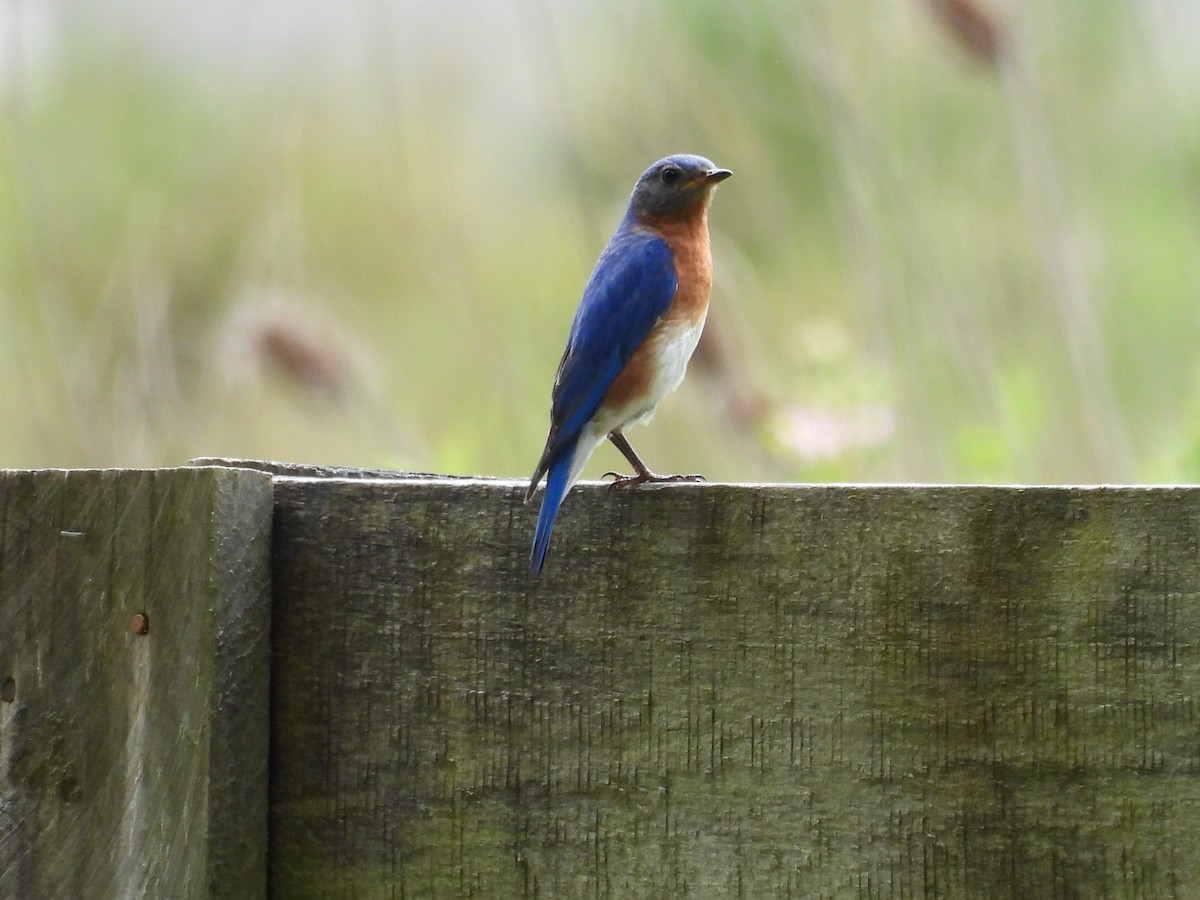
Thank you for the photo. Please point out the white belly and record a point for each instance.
(674, 349)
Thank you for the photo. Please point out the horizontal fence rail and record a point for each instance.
(712, 690)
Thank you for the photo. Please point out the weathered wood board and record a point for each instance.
(134, 765)
(719, 691)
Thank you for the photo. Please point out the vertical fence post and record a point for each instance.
(134, 665)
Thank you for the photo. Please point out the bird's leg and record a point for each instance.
(644, 475)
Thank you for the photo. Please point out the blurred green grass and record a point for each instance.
(929, 266)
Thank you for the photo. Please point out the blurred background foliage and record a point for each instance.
(961, 243)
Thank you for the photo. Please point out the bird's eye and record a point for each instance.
(670, 175)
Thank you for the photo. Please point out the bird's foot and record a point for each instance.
(647, 477)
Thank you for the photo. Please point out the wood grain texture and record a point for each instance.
(134, 765)
(719, 691)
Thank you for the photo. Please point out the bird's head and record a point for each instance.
(675, 186)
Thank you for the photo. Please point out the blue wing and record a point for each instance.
(630, 289)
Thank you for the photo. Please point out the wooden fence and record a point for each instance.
(237, 680)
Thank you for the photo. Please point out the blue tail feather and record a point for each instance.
(556, 489)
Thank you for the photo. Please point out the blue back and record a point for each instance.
(631, 288)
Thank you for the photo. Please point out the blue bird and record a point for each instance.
(639, 320)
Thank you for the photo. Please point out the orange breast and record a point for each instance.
(688, 240)
(633, 382)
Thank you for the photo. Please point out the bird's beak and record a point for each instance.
(706, 179)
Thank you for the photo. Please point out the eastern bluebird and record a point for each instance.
(639, 320)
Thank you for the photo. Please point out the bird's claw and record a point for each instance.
(626, 481)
